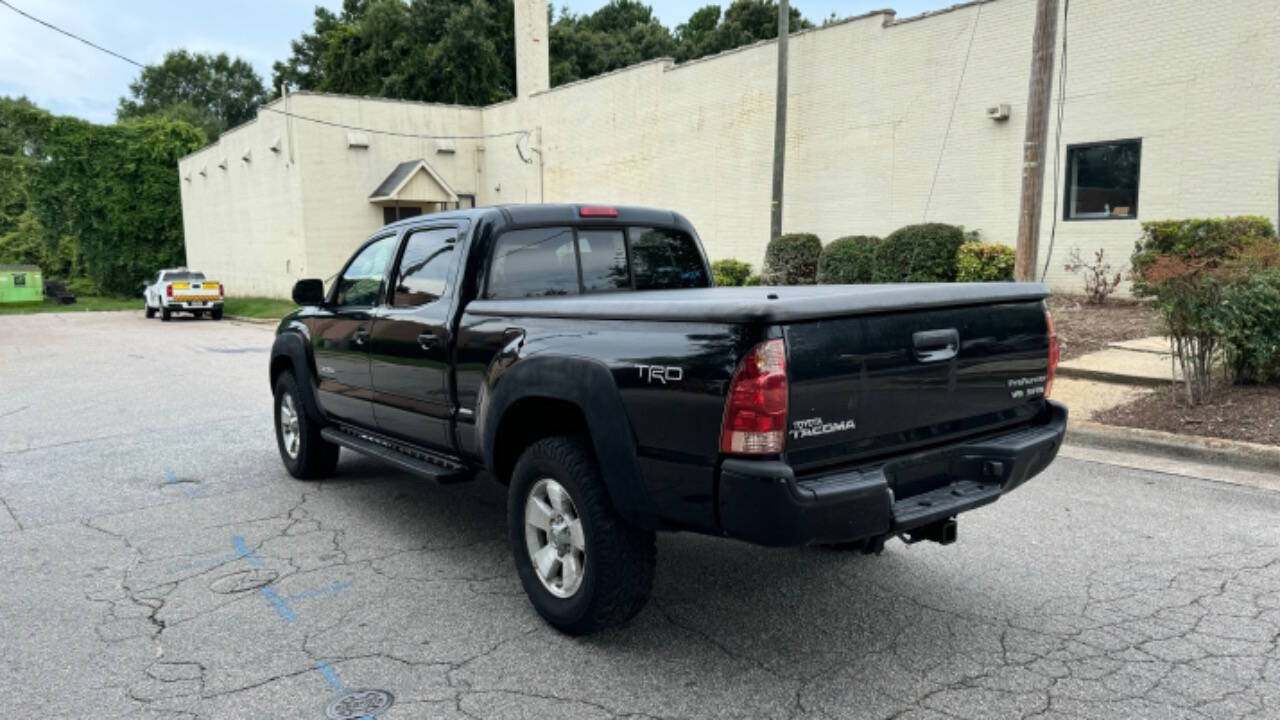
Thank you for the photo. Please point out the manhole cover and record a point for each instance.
(243, 581)
(358, 704)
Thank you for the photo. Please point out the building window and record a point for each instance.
(391, 213)
(1102, 180)
(19, 280)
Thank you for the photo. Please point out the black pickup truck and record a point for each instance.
(579, 355)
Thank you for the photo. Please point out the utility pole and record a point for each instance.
(780, 120)
(1039, 95)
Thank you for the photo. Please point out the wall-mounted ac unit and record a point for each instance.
(998, 113)
(357, 140)
(445, 146)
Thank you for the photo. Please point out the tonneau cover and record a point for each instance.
(761, 304)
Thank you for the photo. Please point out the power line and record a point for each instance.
(418, 136)
(954, 102)
(71, 35)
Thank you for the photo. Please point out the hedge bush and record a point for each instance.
(1248, 319)
(1191, 246)
(919, 253)
(848, 259)
(730, 272)
(984, 262)
(792, 259)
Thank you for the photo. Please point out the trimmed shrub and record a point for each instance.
(984, 262)
(919, 253)
(753, 281)
(1199, 244)
(730, 272)
(1247, 321)
(1187, 267)
(792, 259)
(848, 259)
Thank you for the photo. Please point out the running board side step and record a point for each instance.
(417, 461)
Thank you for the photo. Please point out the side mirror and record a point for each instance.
(309, 292)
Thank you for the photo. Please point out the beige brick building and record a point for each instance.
(1171, 109)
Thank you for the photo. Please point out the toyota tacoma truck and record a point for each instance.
(580, 356)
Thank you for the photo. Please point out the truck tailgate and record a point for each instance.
(196, 291)
(872, 385)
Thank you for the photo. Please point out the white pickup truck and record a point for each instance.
(182, 290)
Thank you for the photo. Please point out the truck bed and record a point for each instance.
(762, 304)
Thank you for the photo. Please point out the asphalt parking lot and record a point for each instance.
(159, 563)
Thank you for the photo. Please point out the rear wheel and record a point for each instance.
(306, 455)
(216, 313)
(165, 314)
(583, 567)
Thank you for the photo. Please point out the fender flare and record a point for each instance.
(588, 384)
(293, 345)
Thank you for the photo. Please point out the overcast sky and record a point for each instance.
(67, 77)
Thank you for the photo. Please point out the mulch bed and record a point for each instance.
(1238, 412)
(1084, 328)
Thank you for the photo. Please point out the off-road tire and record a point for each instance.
(165, 315)
(620, 558)
(316, 456)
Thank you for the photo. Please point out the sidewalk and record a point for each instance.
(1127, 371)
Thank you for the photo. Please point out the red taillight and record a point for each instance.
(755, 415)
(168, 290)
(592, 211)
(219, 289)
(1054, 353)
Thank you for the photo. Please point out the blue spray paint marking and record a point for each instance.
(335, 682)
(244, 551)
(331, 675)
(171, 479)
(280, 605)
(320, 591)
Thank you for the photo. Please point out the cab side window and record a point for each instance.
(426, 268)
(361, 282)
(537, 262)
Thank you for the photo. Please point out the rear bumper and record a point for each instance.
(762, 501)
(194, 305)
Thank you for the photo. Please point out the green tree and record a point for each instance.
(455, 51)
(744, 22)
(463, 51)
(622, 33)
(213, 92)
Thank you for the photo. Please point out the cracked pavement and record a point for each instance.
(159, 563)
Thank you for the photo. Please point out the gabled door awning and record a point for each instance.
(413, 182)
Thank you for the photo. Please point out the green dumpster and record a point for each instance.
(21, 284)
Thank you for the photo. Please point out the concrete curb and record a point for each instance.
(255, 321)
(1117, 378)
(1215, 451)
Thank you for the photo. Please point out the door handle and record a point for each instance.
(427, 340)
(360, 337)
(936, 345)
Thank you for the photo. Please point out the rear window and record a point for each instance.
(541, 262)
(183, 276)
(662, 259)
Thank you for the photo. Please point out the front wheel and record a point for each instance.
(149, 311)
(306, 455)
(582, 566)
